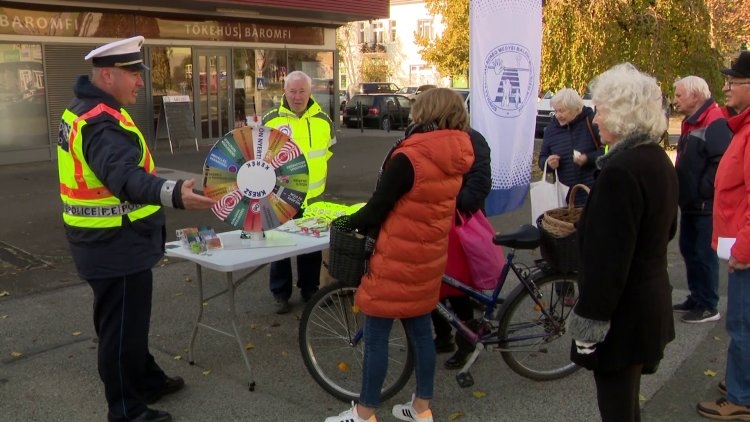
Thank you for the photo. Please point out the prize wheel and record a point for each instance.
(258, 176)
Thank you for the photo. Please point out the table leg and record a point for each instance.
(199, 273)
(230, 288)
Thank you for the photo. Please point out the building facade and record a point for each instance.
(228, 57)
(390, 41)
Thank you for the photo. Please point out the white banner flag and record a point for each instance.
(505, 50)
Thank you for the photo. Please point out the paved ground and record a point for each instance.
(47, 347)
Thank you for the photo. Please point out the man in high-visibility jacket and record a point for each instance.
(301, 117)
(115, 225)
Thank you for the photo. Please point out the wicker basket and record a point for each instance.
(560, 222)
(559, 242)
(348, 255)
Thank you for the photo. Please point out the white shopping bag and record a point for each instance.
(546, 196)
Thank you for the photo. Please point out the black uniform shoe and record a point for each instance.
(172, 385)
(153, 415)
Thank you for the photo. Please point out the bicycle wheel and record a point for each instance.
(536, 345)
(332, 345)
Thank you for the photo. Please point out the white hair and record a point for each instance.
(694, 85)
(630, 102)
(568, 99)
(297, 75)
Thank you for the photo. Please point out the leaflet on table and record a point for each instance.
(199, 239)
(316, 227)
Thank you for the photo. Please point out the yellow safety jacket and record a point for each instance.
(313, 134)
(87, 203)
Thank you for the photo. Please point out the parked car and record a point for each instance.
(544, 110)
(411, 92)
(384, 111)
(377, 88)
(464, 92)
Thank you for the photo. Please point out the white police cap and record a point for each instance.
(125, 54)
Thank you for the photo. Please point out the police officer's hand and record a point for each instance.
(192, 200)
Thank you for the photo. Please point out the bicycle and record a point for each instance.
(528, 330)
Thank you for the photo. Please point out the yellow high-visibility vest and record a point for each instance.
(87, 203)
(313, 134)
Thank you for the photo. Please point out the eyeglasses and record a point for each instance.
(732, 83)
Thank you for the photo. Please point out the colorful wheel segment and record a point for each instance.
(258, 176)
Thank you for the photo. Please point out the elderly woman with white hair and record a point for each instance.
(571, 142)
(623, 319)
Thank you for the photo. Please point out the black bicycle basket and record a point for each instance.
(349, 253)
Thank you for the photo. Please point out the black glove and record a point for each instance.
(584, 354)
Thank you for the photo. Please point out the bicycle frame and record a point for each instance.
(490, 301)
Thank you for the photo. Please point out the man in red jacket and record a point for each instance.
(704, 138)
(732, 223)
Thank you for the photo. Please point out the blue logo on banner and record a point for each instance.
(507, 79)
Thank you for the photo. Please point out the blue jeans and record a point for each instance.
(308, 276)
(738, 328)
(375, 361)
(701, 262)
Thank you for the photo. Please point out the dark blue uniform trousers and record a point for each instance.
(122, 313)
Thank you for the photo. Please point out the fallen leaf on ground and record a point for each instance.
(284, 354)
(455, 415)
(4, 293)
(16, 354)
(249, 346)
(478, 394)
(641, 397)
(717, 338)
(709, 373)
(178, 357)
(3, 316)
(76, 333)
(206, 372)
(178, 294)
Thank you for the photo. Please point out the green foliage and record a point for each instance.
(374, 70)
(669, 39)
(449, 52)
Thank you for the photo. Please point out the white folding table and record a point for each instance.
(239, 255)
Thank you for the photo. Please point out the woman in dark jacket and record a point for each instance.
(571, 142)
(475, 187)
(623, 319)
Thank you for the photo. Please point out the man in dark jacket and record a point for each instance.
(115, 225)
(704, 138)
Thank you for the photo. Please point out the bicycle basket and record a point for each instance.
(559, 243)
(348, 257)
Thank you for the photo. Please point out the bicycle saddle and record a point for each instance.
(524, 237)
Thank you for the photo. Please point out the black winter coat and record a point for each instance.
(562, 140)
(628, 220)
(477, 182)
(705, 136)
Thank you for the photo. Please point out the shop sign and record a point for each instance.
(65, 24)
(114, 25)
(232, 31)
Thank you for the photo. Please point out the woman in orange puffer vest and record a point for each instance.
(410, 215)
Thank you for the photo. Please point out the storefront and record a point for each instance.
(229, 67)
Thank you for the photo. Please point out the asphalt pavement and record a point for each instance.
(48, 348)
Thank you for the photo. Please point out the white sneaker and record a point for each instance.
(350, 415)
(406, 412)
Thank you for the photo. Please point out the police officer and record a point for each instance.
(301, 117)
(115, 225)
